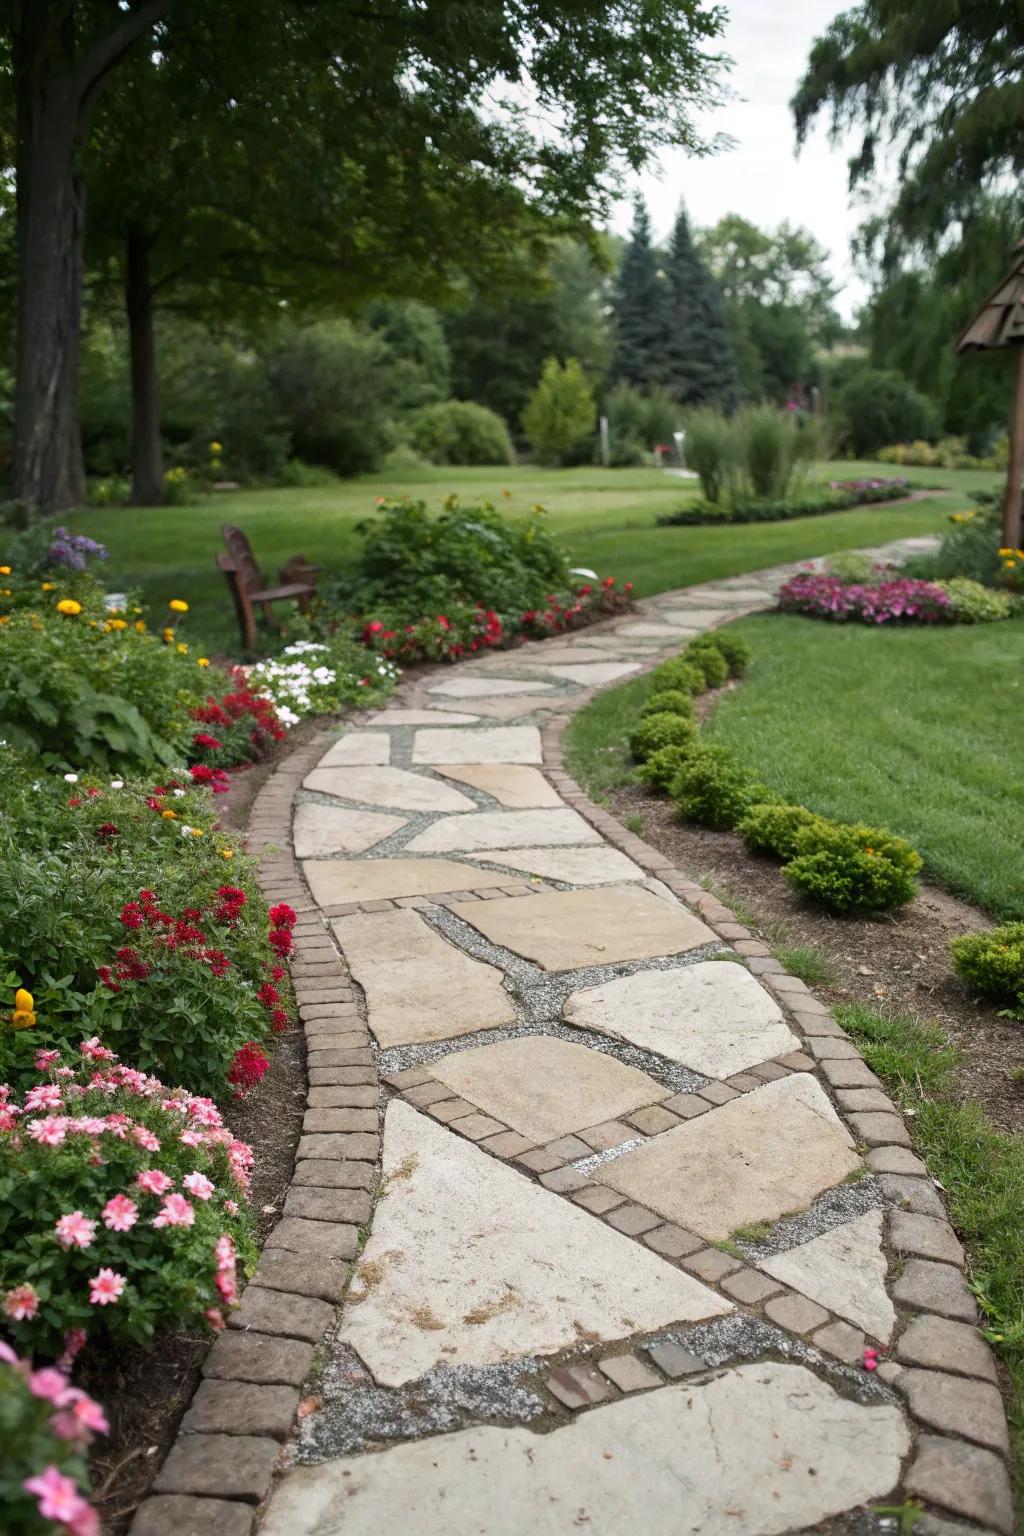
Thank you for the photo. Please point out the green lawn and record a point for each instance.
(606, 518)
(917, 729)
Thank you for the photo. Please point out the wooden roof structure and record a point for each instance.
(1000, 320)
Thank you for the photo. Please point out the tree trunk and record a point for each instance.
(147, 452)
(47, 470)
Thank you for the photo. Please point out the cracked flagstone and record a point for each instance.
(334, 882)
(565, 930)
(544, 1087)
(844, 1270)
(756, 1451)
(490, 744)
(504, 829)
(470, 1262)
(323, 829)
(358, 748)
(714, 1017)
(574, 866)
(756, 1158)
(513, 786)
(389, 787)
(418, 986)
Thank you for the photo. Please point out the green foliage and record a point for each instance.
(639, 329)
(560, 412)
(879, 406)
(672, 701)
(698, 366)
(969, 549)
(679, 673)
(638, 422)
(711, 788)
(852, 867)
(660, 771)
(657, 731)
(34, 1431)
(705, 655)
(993, 963)
(737, 652)
(460, 432)
(771, 828)
(174, 1270)
(329, 386)
(852, 568)
(711, 450)
(415, 563)
(974, 604)
(768, 450)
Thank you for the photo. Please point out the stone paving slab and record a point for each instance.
(595, 674)
(490, 744)
(324, 829)
(565, 930)
(470, 1263)
(513, 707)
(754, 1159)
(714, 1017)
(392, 787)
(574, 866)
(417, 985)
(651, 630)
(504, 829)
(845, 1270)
(438, 716)
(760, 1450)
(467, 687)
(544, 1087)
(334, 883)
(358, 749)
(513, 786)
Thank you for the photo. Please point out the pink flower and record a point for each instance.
(87, 1413)
(86, 1522)
(175, 1212)
(21, 1304)
(93, 1051)
(231, 1206)
(154, 1182)
(215, 1317)
(58, 1496)
(190, 1139)
(227, 1285)
(106, 1287)
(75, 1231)
(44, 1060)
(46, 1096)
(120, 1214)
(198, 1184)
(8, 1117)
(48, 1383)
(74, 1343)
(49, 1132)
(145, 1138)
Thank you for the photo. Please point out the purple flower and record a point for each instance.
(898, 597)
(74, 549)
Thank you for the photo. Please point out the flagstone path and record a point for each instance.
(641, 1205)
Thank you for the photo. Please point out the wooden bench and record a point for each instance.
(297, 583)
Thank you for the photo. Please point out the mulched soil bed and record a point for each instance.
(896, 960)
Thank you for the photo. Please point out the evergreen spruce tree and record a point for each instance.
(639, 304)
(697, 364)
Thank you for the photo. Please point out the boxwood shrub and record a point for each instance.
(663, 730)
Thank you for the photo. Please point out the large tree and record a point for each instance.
(698, 366)
(615, 79)
(639, 308)
(942, 84)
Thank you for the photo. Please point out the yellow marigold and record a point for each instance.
(216, 448)
(182, 649)
(227, 853)
(196, 831)
(168, 635)
(178, 605)
(169, 815)
(46, 586)
(116, 624)
(5, 570)
(6, 620)
(203, 661)
(69, 606)
(5, 592)
(140, 626)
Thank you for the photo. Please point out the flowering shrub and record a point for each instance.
(313, 677)
(46, 1425)
(243, 725)
(993, 963)
(901, 599)
(125, 1202)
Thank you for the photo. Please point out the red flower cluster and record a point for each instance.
(214, 778)
(242, 706)
(165, 934)
(248, 1067)
(282, 921)
(590, 604)
(204, 739)
(232, 900)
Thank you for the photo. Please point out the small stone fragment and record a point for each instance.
(629, 1374)
(577, 1386)
(674, 1360)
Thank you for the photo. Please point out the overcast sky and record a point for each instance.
(763, 178)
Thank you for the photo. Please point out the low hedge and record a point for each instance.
(837, 497)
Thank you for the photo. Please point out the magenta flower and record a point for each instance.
(49, 1132)
(75, 1231)
(92, 1050)
(44, 1060)
(48, 1383)
(46, 1096)
(58, 1496)
(106, 1287)
(175, 1212)
(120, 1214)
(146, 1138)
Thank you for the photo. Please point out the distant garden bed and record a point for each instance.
(837, 496)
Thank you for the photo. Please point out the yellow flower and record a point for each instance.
(69, 606)
(182, 649)
(1003, 553)
(169, 815)
(6, 620)
(227, 853)
(5, 570)
(168, 635)
(203, 661)
(140, 626)
(5, 592)
(47, 586)
(178, 605)
(116, 624)
(24, 1001)
(216, 448)
(197, 831)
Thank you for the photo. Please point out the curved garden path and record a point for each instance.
(641, 1205)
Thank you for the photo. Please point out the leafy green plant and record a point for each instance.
(671, 701)
(125, 1206)
(732, 646)
(767, 446)
(705, 655)
(460, 432)
(46, 1425)
(993, 964)
(660, 770)
(971, 603)
(853, 867)
(711, 450)
(713, 789)
(560, 412)
(656, 731)
(771, 828)
(678, 673)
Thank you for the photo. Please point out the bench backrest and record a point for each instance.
(242, 557)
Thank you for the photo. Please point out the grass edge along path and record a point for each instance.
(979, 1168)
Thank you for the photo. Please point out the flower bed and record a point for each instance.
(889, 598)
(837, 496)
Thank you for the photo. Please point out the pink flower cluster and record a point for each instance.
(75, 1418)
(896, 599)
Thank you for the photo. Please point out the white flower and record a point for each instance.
(117, 783)
(71, 778)
(179, 794)
(185, 831)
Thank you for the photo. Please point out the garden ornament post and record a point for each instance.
(999, 323)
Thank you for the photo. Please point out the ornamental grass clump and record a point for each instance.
(657, 731)
(125, 1202)
(46, 1427)
(993, 964)
(853, 867)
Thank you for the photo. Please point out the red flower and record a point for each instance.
(75, 800)
(282, 916)
(281, 941)
(248, 1067)
(268, 995)
(132, 915)
(107, 832)
(277, 973)
(204, 739)
(279, 1020)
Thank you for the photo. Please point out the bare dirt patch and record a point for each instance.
(897, 960)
